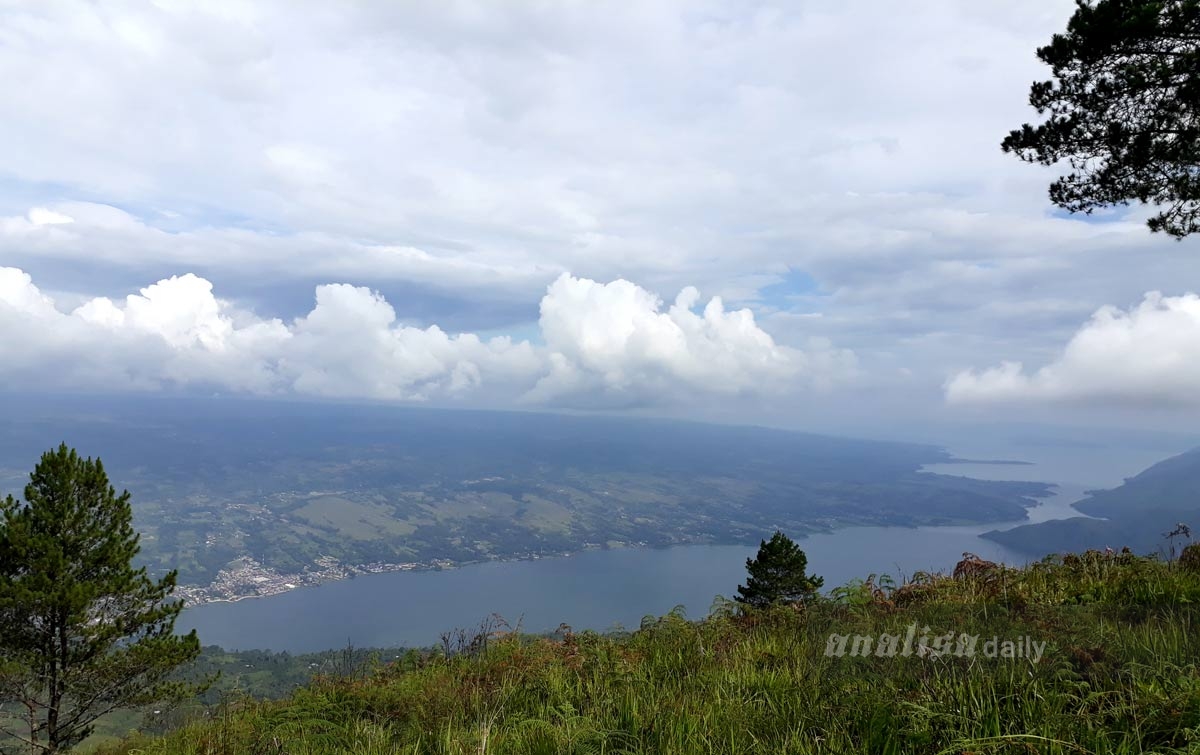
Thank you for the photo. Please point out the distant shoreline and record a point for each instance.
(993, 462)
(297, 582)
(301, 581)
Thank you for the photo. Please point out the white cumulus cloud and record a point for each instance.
(609, 340)
(615, 340)
(1149, 354)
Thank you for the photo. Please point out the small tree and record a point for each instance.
(1123, 110)
(777, 574)
(82, 632)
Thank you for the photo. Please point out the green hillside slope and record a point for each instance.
(1117, 671)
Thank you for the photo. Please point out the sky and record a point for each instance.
(795, 214)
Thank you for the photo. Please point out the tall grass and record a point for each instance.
(1119, 675)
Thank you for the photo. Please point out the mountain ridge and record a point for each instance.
(1138, 514)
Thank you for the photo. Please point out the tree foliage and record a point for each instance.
(777, 574)
(82, 632)
(1122, 110)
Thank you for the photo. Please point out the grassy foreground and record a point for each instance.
(1120, 673)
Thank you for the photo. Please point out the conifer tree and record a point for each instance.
(82, 631)
(1122, 110)
(778, 574)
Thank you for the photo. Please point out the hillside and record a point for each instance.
(251, 497)
(1172, 485)
(1137, 514)
(1103, 658)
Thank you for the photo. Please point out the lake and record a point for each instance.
(590, 590)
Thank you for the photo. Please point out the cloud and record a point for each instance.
(834, 168)
(1149, 354)
(172, 333)
(350, 346)
(610, 338)
(451, 145)
(613, 342)
(96, 234)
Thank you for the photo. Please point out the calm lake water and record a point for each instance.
(591, 590)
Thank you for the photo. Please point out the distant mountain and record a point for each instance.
(1170, 485)
(1138, 514)
(248, 497)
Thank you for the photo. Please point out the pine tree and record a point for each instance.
(82, 632)
(777, 575)
(1122, 110)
